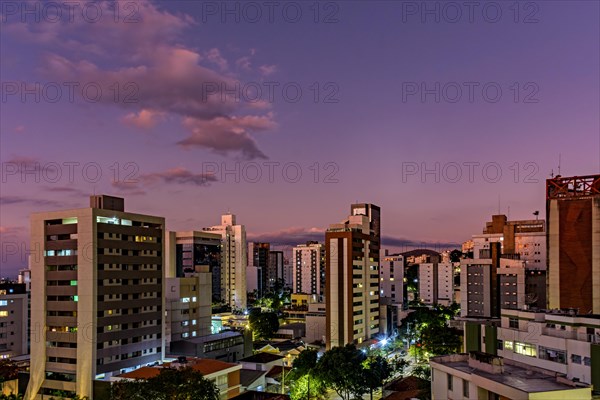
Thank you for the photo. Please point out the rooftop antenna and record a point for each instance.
(499, 205)
(559, 156)
(537, 214)
(509, 213)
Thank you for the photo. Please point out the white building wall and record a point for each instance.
(445, 283)
(427, 283)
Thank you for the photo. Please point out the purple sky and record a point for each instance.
(163, 121)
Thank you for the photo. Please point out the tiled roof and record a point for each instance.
(262, 358)
(142, 373)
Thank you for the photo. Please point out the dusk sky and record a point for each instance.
(387, 89)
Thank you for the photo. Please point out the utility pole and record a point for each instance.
(283, 376)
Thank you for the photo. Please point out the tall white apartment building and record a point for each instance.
(97, 304)
(309, 268)
(436, 283)
(234, 260)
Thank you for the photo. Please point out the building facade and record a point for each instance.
(392, 278)
(573, 212)
(97, 306)
(234, 260)
(188, 305)
(557, 340)
(188, 252)
(275, 273)
(14, 320)
(259, 265)
(309, 268)
(479, 375)
(352, 277)
(436, 283)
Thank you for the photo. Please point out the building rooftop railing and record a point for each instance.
(574, 186)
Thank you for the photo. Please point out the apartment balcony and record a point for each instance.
(559, 333)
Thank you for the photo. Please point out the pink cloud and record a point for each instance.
(157, 76)
(267, 70)
(144, 119)
(226, 134)
(214, 56)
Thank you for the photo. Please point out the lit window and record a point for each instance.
(3, 313)
(185, 300)
(3, 302)
(73, 283)
(526, 349)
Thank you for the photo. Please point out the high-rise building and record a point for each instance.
(275, 273)
(97, 305)
(188, 306)
(258, 261)
(573, 213)
(527, 238)
(234, 260)
(309, 266)
(507, 269)
(288, 271)
(436, 283)
(392, 278)
(14, 321)
(187, 252)
(352, 276)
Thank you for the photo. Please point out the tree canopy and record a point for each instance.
(263, 324)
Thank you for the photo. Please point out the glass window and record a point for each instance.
(526, 349)
(587, 361)
(554, 355)
(508, 345)
(500, 345)
(576, 359)
(513, 323)
(449, 381)
(465, 389)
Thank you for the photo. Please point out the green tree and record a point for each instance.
(398, 365)
(440, 339)
(169, 384)
(303, 376)
(375, 371)
(302, 388)
(263, 325)
(340, 368)
(422, 371)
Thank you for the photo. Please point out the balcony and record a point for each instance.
(559, 333)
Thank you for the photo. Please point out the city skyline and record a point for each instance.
(367, 138)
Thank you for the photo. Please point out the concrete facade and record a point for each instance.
(234, 260)
(14, 321)
(97, 302)
(352, 277)
(573, 210)
(309, 268)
